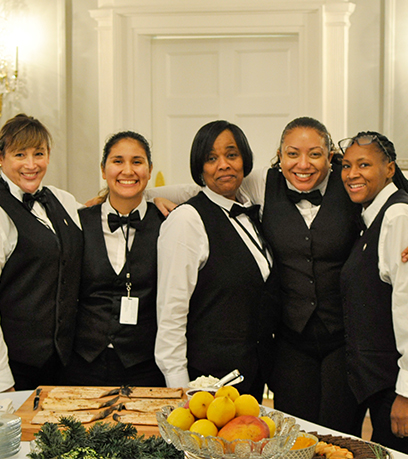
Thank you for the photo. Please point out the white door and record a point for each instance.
(249, 81)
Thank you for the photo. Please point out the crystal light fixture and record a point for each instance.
(8, 66)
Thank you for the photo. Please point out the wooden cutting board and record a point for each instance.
(27, 413)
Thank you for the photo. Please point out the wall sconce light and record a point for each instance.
(8, 77)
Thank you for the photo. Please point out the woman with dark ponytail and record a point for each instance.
(374, 285)
(116, 326)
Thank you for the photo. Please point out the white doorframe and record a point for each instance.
(125, 28)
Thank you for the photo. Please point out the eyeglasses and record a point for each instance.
(362, 141)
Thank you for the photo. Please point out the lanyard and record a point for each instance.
(127, 258)
(263, 248)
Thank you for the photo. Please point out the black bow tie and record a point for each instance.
(40, 196)
(115, 221)
(252, 211)
(314, 197)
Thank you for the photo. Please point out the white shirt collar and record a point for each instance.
(142, 208)
(321, 187)
(372, 210)
(226, 203)
(15, 190)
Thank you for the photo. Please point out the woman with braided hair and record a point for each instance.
(374, 285)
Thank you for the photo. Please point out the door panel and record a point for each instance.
(250, 81)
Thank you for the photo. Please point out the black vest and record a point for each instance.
(39, 283)
(371, 350)
(309, 261)
(223, 328)
(102, 289)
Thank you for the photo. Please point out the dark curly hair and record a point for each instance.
(309, 123)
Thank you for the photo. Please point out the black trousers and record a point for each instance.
(379, 406)
(28, 377)
(108, 370)
(309, 378)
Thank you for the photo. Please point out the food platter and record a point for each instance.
(361, 449)
(146, 424)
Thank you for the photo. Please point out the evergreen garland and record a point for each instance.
(69, 439)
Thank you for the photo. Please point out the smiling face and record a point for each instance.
(223, 171)
(304, 158)
(127, 172)
(26, 167)
(365, 172)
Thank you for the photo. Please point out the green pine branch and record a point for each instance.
(69, 439)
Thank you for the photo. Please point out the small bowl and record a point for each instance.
(191, 392)
(303, 453)
(202, 382)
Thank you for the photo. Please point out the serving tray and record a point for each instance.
(27, 413)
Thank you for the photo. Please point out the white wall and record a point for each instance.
(400, 135)
(40, 28)
(83, 133)
(364, 67)
(58, 69)
(58, 85)
(368, 97)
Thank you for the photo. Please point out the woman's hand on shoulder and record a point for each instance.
(166, 206)
(404, 255)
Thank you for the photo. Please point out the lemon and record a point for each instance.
(181, 417)
(229, 391)
(246, 405)
(204, 427)
(199, 403)
(271, 424)
(221, 410)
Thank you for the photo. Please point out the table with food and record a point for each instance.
(208, 420)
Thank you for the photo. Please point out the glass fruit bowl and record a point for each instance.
(195, 445)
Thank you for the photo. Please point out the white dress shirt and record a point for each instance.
(183, 249)
(116, 241)
(393, 240)
(254, 185)
(8, 242)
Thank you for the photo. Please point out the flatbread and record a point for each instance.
(154, 392)
(44, 416)
(150, 405)
(68, 404)
(79, 392)
(147, 419)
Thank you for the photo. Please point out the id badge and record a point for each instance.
(129, 309)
